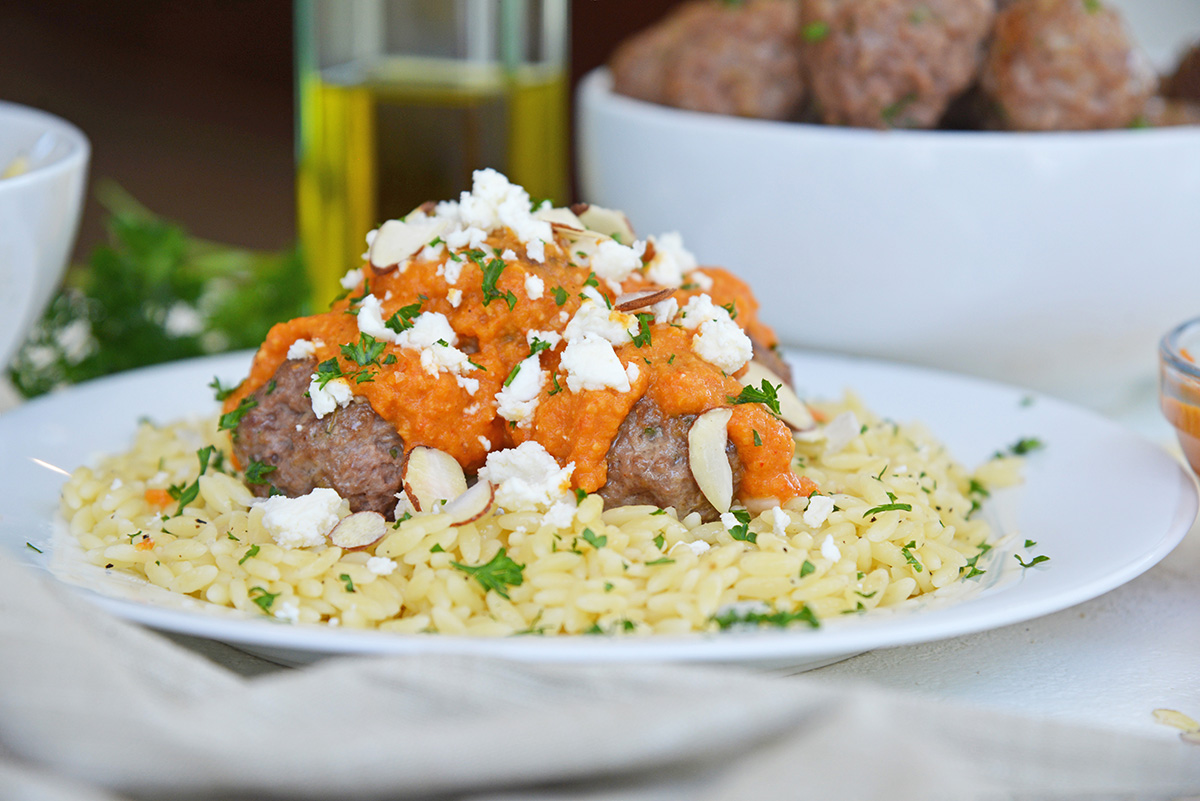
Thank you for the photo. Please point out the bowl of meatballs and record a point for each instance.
(1007, 189)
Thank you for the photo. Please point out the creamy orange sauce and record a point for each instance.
(437, 411)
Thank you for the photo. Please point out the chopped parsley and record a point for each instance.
(815, 32)
(889, 507)
(766, 396)
(642, 337)
(659, 541)
(498, 574)
(780, 618)
(906, 551)
(186, 495)
(560, 295)
(1034, 561)
(263, 598)
(757, 439)
(221, 392)
(556, 389)
(806, 568)
(402, 320)
(491, 274)
(663, 561)
(229, 421)
(591, 539)
(1020, 447)
(365, 353)
(742, 530)
(257, 471)
(347, 581)
(251, 552)
(31, 546)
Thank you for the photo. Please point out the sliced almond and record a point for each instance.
(397, 241)
(579, 208)
(430, 476)
(641, 299)
(792, 410)
(559, 217)
(471, 505)
(707, 439)
(358, 530)
(608, 222)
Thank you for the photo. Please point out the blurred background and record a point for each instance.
(190, 106)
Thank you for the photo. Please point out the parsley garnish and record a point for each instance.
(257, 471)
(806, 568)
(513, 375)
(221, 392)
(345, 579)
(30, 545)
(402, 319)
(229, 421)
(556, 389)
(663, 561)
(327, 371)
(642, 337)
(365, 353)
(252, 551)
(499, 573)
(757, 439)
(1034, 561)
(186, 495)
(537, 346)
(591, 539)
(1021, 447)
(888, 507)
(730, 307)
(742, 530)
(779, 618)
(560, 295)
(766, 396)
(908, 557)
(491, 274)
(815, 31)
(659, 541)
(263, 598)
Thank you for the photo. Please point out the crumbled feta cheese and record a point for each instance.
(471, 385)
(508, 255)
(818, 510)
(329, 397)
(671, 260)
(485, 442)
(302, 349)
(517, 401)
(534, 286)
(432, 336)
(301, 522)
(779, 521)
(665, 310)
(526, 477)
(841, 431)
(551, 338)
(115, 485)
(560, 515)
(614, 262)
(352, 279)
(596, 318)
(454, 296)
(696, 546)
(288, 610)
(830, 550)
(729, 521)
(719, 341)
(381, 565)
(370, 320)
(591, 363)
(493, 203)
(469, 237)
(700, 279)
(452, 270)
(632, 372)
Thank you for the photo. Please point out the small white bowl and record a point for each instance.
(1048, 260)
(39, 213)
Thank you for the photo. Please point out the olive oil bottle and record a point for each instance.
(388, 120)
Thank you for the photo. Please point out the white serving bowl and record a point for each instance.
(39, 213)
(1051, 260)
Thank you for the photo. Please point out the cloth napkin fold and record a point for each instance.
(95, 708)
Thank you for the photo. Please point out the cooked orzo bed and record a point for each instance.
(896, 519)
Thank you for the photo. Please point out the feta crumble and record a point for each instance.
(526, 477)
(325, 399)
(301, 522)
(518, 401)
(830, 550)
(818, 510)
(381, 565)
(671, 260)
(779, 521)
(841, 431)
(302, 349)
(719, 340)
(534, 286)
(591, 363)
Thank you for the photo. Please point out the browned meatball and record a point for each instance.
(1184, 82)
(352, 450)
(740, 59)
(1064, 65)
(648, 463)
(891, 63)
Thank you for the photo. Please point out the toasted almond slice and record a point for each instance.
(559, 218)
(358, 530)
(396, 241)
(430, 476)
(471, 505)
(579, 208)
(641, 299)
(608, 222)
(706, 456)
(793, 410)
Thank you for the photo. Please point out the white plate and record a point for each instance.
(1101, 502)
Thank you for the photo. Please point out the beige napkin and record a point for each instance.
(94, 708)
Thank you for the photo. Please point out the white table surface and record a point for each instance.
(1109, 662)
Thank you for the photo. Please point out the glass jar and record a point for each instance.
(398, 101)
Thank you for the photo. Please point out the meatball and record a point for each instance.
(891, 63)
(717, 57)
(1064, 65)
(1184, 82)
(352, 449)
(648, 463)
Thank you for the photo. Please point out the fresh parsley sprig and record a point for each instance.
(497, 574)
(766, 395)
